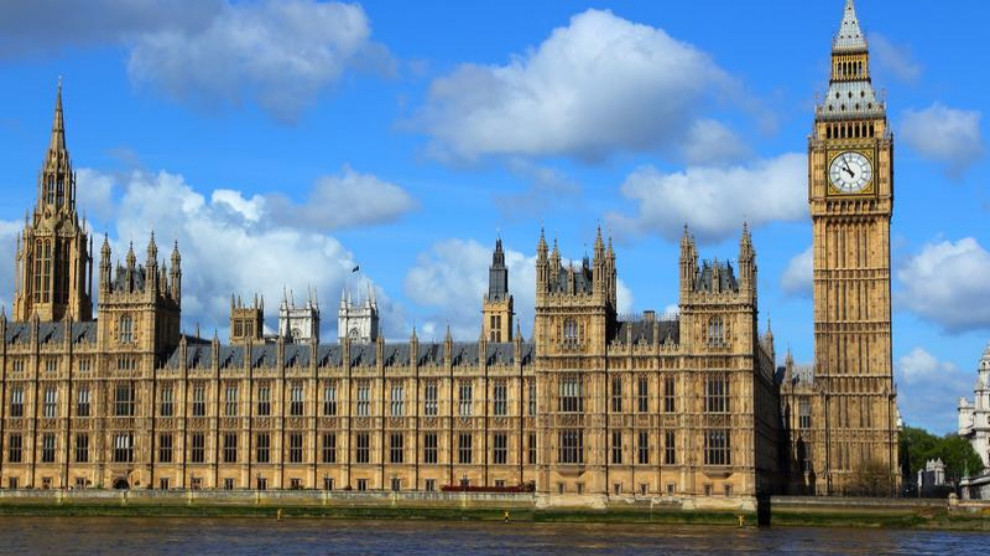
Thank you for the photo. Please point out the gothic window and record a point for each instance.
(804, 414)
(296, 402)
(643, 453)
(124, 400)
(165, 448)
(123, 447)
(198, 452)
(48, 448)
(430, 447)
(716, 332)
(395, 448)
(500, 454)
(82, 401)
(571, 396)
(430, 399)
(329, 447)
(82, 447)
(532, 397)
(17, 402)
(263, 448)
(354, 335)
(643, 395)
(363, 454)
(532, 448)
(616, 448)
(670, 448)
(264, 400)
(570, 331)
(295, 447)
(126, 329)
(668, 394)
(717, 394)
(398, 401)
(14, 448)
(501, 399)
(230, 408)
(364, 399)
(329, 399)
(199, 401)
(616, 394)
(464, 405)
(51, 402)
(230, 447)
(167, 407)
(42, 270)
(464, 448)
(571, 449)
(717, 447)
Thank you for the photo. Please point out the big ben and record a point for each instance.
(851, 196)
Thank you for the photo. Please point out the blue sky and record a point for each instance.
(294, 140)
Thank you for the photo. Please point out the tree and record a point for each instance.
(917, 446)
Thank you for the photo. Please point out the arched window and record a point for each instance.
(570, 331)
(716, 331)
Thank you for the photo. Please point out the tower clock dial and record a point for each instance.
(850, 172)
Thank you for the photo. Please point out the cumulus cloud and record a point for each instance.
(599, 85)
(946, 284)
(714, 201)
(947, 136)
(451, 279)
(279, 53)
(346, 200)
(797, 277)
(229, 244)
(894, 58)
(49, 26)
(928, 389)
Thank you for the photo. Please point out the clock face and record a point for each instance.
(850, 172)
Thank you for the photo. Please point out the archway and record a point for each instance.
(121, 484)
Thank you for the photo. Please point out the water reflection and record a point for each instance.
(192, 536)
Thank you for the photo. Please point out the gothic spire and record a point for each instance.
(850, 36)
(57, 144)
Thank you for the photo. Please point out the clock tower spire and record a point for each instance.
(850, 193)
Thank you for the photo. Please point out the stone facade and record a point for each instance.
(357, 321)
(853, 412)
(299, 323)
(974, 417)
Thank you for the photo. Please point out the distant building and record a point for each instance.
(299, 323)
(358, 321)
(974, 417)
(932, 476)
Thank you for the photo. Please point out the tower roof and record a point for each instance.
(850, 36)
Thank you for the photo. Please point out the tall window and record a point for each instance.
(571, 398)
(570, 331)
(296, 401)
(616, 394)
(364, 399)
(82, 401)
(123, 447)
(230, 408)
(571, 446)
(430, 399)
(398, 408)
(804, 414)
(430, 447)
(716, 331)
(395, 448)
(17, 402)
(82, 447)
(198, 454)
(199, 401)
(532, 448)
(329, 447)
(168, 404)
(643, 451)
(48, 448)
(670, 448)
(126, 330)
(363, 453)
(263, 447)
(295, 447)
(532, 397)
(165, 448)
(501, 405)
(500, 452)
(329, 399)
(14, 448)
(668, 394)
(464, 405)
(643, 394)
(717, 447)
(42, 271)
(717, 394)
(230, 447)
(124, 400)
(464, 448)
(264, 400)
(616, 447)
(51, 402)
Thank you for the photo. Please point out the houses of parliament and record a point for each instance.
(591, 405)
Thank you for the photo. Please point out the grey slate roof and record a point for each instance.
(120, 278)
(726, 277)
(642, 331)
(51, 332)
(582, 276)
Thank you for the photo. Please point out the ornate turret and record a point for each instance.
(176, 274)
(497, 307)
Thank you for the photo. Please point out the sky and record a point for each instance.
(283, 143)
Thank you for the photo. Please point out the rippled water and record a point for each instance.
(189, 537)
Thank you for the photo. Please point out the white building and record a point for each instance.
(358, 321)
(974, 417)
(299, 324)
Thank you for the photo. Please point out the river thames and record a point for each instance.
(189, 537)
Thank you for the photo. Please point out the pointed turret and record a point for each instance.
(152, 259)
(176, 273)
(57, 143)
(131, 258)
(689, 261)
(850, 37)
(498, 274)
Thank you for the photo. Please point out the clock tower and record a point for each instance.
(851, 196)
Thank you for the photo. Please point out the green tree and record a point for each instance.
(917, 446)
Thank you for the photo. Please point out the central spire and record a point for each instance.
(57, 144)
(850, 36)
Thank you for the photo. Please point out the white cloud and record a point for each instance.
(8, 249)
(599, 85)
(279, 53)
(714, 202)
(229, 245)
(547, 188)
(346, 200)
(894, 58)
(797, 277)
(946, 284)
(945, 135)
(95, 192)
(451, 279)
(928, 389)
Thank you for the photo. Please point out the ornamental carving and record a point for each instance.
(431, 422)
(48, 424)
(295, 423)
(328, 423)
(263, 423)
(362, 423)
(229, 423)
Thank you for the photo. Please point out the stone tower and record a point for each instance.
(247, 322)
(299, 324)
(54, 278)
(358, 321)
(497, 310)
(851, 193)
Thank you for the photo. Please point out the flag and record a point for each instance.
(356, 268)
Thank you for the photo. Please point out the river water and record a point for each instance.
(196, 536)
